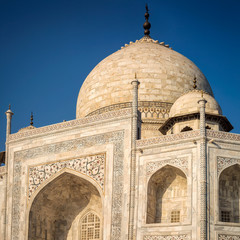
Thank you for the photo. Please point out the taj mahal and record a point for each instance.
(149, 156)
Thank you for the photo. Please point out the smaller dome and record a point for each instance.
(188, 103)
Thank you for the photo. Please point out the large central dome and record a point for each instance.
(163, 75)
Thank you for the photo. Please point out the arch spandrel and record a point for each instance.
(181, 163)
(225, 162)
(59, 174)
(91, 167)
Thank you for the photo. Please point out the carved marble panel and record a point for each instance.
(228, 237)
(224, 162)
(223, 135)
(167, 138)
(92, 166)
(181, 163)
(167, 237)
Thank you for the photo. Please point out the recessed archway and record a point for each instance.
(167, 196)
(229, 196)
(58, 204)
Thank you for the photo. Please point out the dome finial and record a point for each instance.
(147, 24)
(194, 83)
(31, 123)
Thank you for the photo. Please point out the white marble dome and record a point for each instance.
(188, 103)
(163, 73)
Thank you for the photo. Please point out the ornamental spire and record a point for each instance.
(31, 118)
(195, 83)
(147, 25)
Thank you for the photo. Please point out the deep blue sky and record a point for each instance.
(48, 47)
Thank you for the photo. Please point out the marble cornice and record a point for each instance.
(168, 138)
(223, 135)
(71, 124)
(187, 135)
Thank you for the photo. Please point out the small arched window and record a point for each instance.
(167, 198)
(90, 227)
(229, 195)
(187, 128)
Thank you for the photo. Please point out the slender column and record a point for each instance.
(131, 234)
(203, 172)
(9, 114)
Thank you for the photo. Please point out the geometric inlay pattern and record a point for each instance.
(228, 237)
(224, 162)
(181, 163)
(92, 166)
(168, 237)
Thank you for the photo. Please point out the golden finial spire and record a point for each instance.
(202, 93)
(135, 75)
(147, 24)
(195, 83)
(31, 123)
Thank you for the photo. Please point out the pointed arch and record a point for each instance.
(186, 129)
(58, 174)
(229, 194)
(167, 194)
(59, 202)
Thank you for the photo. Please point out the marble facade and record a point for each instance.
(147, 158)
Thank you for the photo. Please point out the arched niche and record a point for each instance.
(58, 204)
(186, 129)
(167, 196)
(229, 194)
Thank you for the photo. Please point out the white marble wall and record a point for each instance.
(70, 142)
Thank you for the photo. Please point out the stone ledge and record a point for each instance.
(186, 135)
(69, 124)
(223, 135)
(168, 138)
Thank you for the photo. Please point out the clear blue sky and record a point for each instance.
(48, 47)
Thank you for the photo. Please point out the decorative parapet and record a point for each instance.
(70, 124)
(167, 237)
(223, 135)
(168, 138)
(186, 135)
